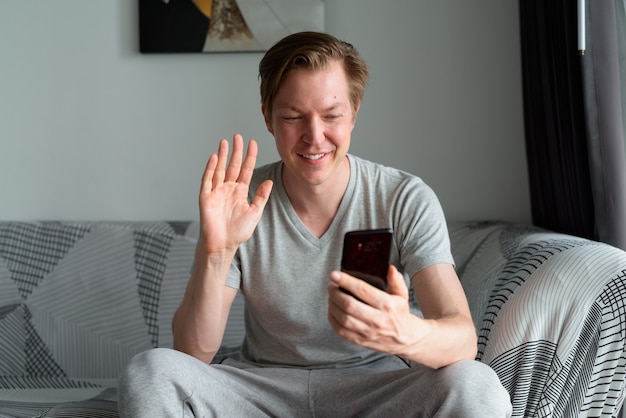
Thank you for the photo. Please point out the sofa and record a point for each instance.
(79, 299)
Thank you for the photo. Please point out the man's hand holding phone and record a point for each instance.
(363, 313)
(378, 320)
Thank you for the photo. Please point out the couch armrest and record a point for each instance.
(550, 312)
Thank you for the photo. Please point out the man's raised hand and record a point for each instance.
(227, 219)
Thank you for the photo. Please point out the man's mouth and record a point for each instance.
(312, 156)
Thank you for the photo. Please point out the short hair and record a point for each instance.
(310, 51)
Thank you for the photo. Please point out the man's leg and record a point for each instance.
(167, 383)
(463, 389)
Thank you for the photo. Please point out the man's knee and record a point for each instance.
(157, 372)
(470, 388)
(147, 366)
(153, 381)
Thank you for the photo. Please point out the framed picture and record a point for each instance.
(170, 26)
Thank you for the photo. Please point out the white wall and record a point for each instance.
(91, 129)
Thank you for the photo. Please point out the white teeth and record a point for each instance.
(313, 157)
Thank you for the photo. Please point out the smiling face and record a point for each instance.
(312, 121)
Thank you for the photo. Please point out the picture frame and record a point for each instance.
(201, 26)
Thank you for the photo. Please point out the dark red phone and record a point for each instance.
(366, 255)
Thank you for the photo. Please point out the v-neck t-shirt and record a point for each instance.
(283, 269)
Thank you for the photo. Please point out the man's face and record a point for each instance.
(312, 120)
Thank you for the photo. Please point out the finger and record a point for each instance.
(249, 163)
(346, 325)
(336, 296)
(395, 282)
(234, 165)
(336, 322)
(336, 313)
(261, 196)
(361, 290)
(346, 304)
(338, 326)
(207, 177)
(220, 169)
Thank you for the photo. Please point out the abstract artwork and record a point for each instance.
(170, 26)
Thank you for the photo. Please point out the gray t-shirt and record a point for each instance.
(283, 269)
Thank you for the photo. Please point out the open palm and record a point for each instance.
(227, 218)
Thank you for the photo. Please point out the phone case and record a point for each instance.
(366, 255)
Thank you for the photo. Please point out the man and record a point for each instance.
(275, 233)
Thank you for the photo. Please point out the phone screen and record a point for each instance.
(366, 255)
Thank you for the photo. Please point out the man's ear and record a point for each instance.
(268, 123)
(355, 112)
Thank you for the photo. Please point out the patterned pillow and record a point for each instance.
(77, 300)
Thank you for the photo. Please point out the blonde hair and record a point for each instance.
(310, 51)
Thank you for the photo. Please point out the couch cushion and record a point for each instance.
(77, 300)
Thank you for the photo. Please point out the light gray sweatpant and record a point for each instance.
(166, 383)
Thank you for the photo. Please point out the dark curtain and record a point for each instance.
(604, 117)
(573, 120)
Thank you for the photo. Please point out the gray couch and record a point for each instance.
(78, 299)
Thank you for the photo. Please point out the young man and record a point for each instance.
(275, 233)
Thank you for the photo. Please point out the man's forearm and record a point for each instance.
(199, 322)
(443, 342)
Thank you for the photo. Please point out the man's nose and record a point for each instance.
(314, 131)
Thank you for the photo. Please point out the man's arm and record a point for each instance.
(227, 219)
(200, 320)
(383, 321)
(451, 335)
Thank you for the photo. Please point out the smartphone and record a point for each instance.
(366, 255)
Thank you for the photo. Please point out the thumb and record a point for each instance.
(262, 196)
(395, 282)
